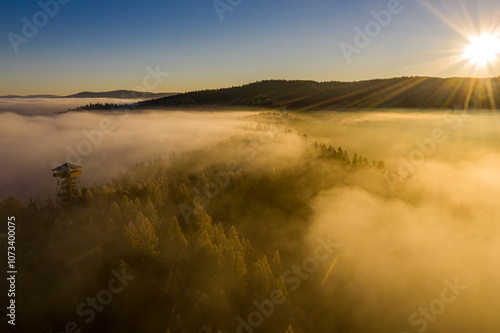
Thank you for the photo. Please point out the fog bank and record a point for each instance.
(102, 143)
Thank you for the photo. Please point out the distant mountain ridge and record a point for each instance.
(404, 92)
(123, 94)
(31, 96)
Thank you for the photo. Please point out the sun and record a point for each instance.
(483, 49)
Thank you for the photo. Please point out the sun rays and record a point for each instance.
(483, 49)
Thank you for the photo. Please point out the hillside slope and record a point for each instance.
(406, 92)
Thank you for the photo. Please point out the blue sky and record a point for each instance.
(106, 45)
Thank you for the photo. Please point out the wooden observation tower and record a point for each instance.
(68, 182)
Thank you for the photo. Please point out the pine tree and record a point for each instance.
(95, 190)
(240, 268)
(156, 195)
(114, 213)
(355, 160)
(138, 204)
(340, 154)
(204, 245)
(276, 263)
(151, 213)
(176, 236)
(88, 196)
(263, 276)
(204, 221)
(141, 234)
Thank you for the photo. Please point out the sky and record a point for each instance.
(177, 46)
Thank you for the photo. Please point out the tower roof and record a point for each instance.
(66, 167)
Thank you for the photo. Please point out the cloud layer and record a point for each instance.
(102, 143)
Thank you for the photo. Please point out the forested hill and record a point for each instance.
(119, 94)
(405, 92)
(197, 239)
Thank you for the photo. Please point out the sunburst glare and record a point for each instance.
(483, 49)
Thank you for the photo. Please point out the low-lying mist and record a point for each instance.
(398, 249)
(437, 221)
(392, 134)
(102, 143)
(418, 240)
(418, 250)
(44, 106)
